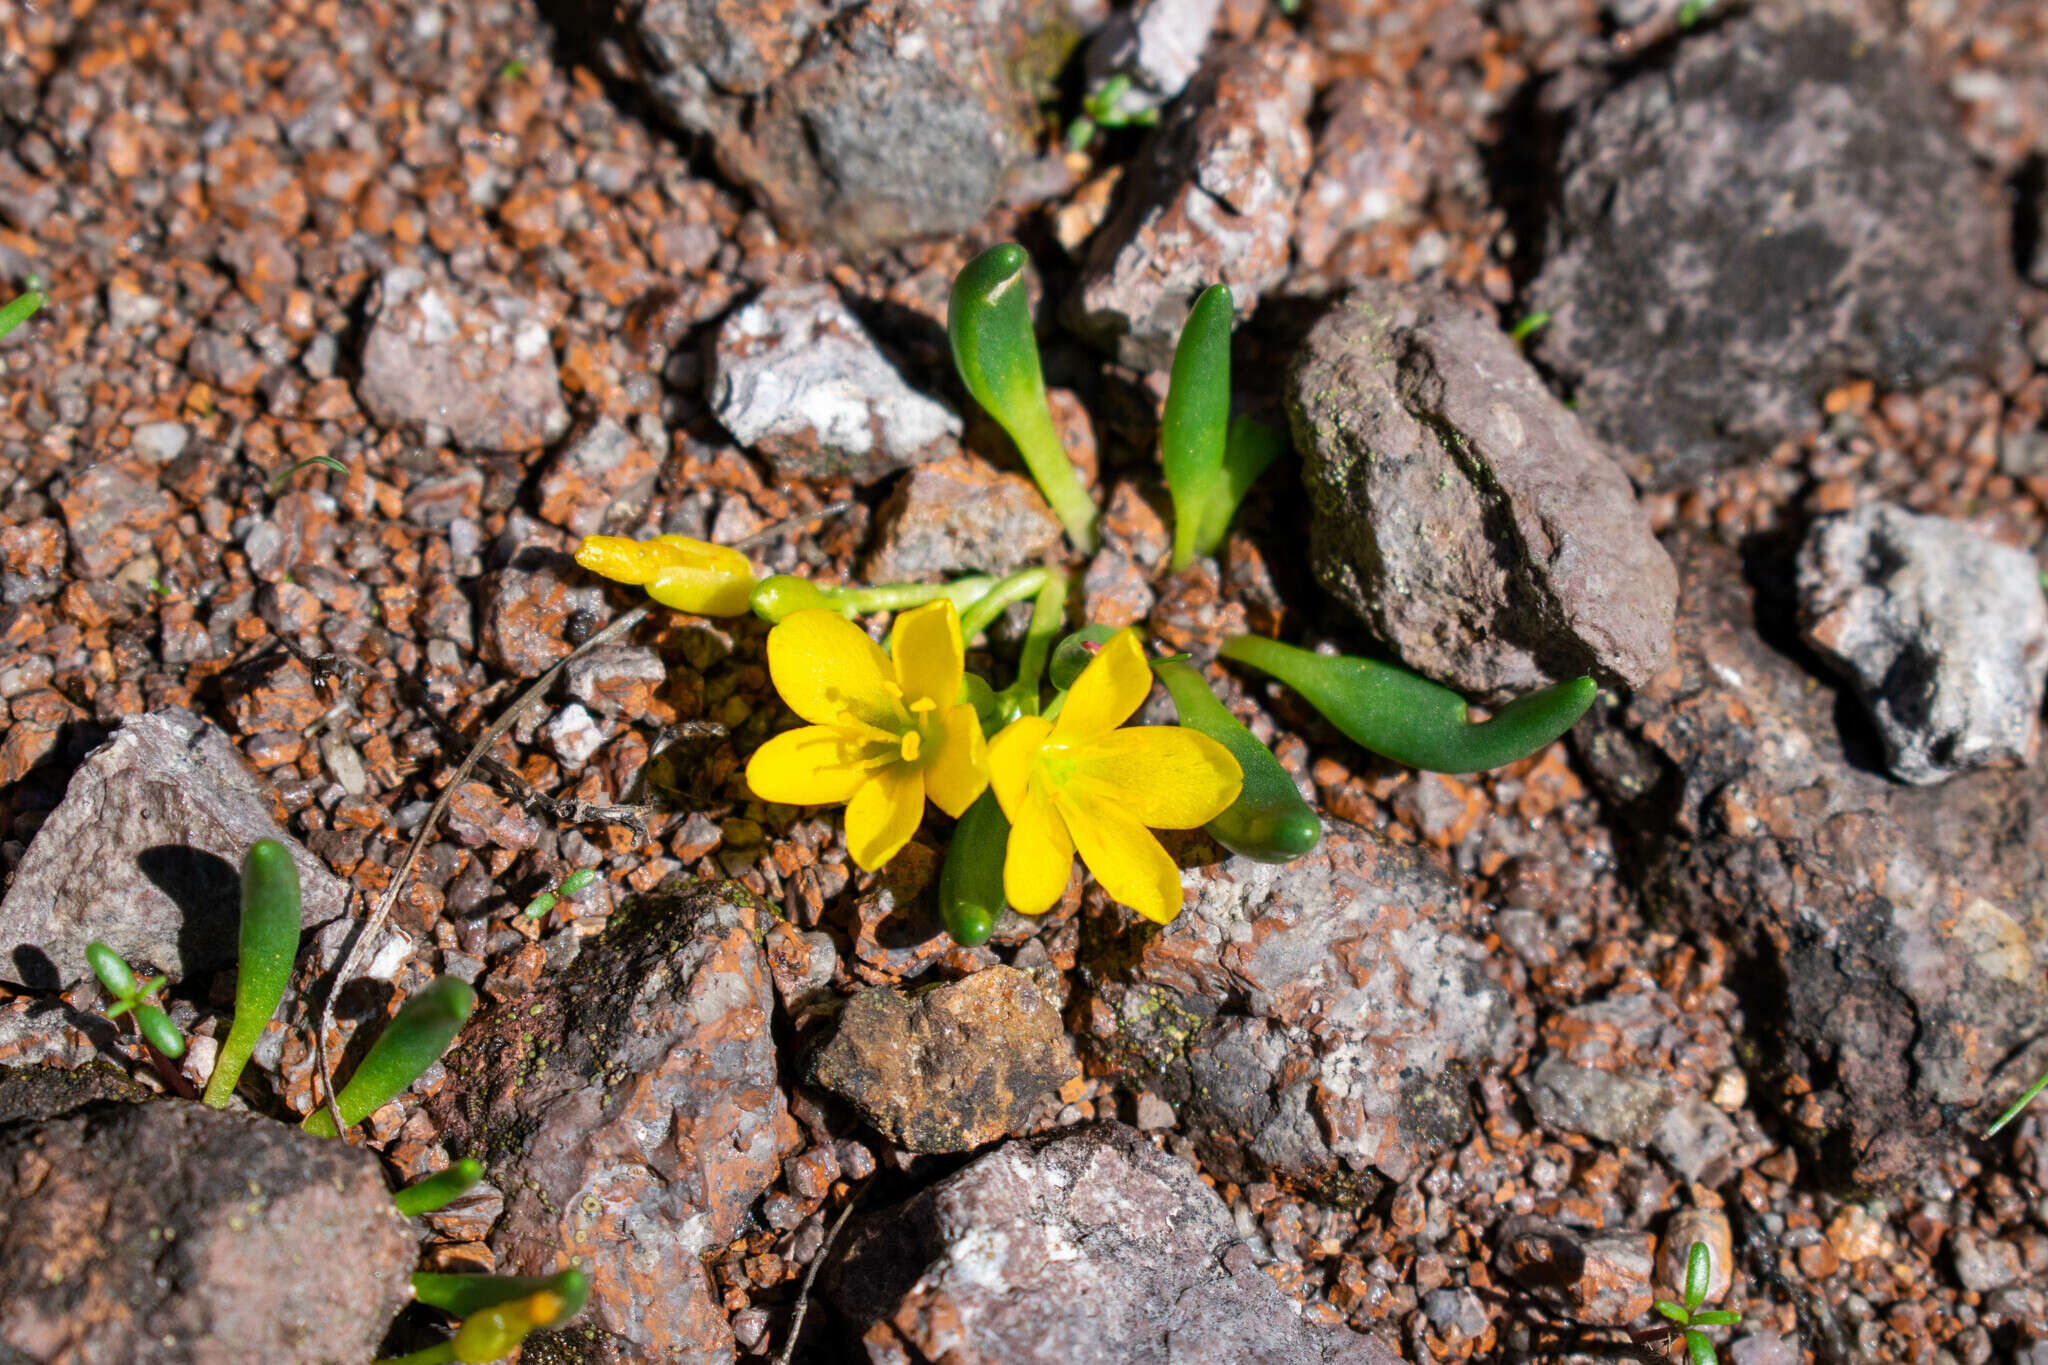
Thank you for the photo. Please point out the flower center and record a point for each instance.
(913, 742)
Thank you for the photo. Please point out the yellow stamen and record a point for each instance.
(912, 743)
(922, 705)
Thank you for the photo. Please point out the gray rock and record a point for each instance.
(799, 381)
(1210, 199)
(1983, 1263)
(1455, 1313)
(629, 1108)
(951, 1068)
(179, 1234)
(1612, 1106)
(1462, 511)
(1602, 1279)
(867, 125)
(960, 514)
(1785, 204)
(1674, 1251)
(159, 442)
(1157, 44)
(1314, 1022)
(1084, 1247)
(1693, 1136)
(1889, 933)
(601, 474)
(1765, 1348)
(1374, 163)
(1942, 631)
(437, 355)
(616, 679)
(145, 853)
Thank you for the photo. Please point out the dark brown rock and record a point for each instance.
(867, 125)
(1211, 200)
(1785, 204)
(1462, 511)
(175, 1233)
(1084, 1247)
(145, 852)
(951, 1068)
(528, 615)
(960, 514)
(630, 1111)
(1314, 1023)
(1890, 936)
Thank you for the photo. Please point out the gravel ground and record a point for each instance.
(467, 252)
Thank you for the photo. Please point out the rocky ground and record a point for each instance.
(1753, 958)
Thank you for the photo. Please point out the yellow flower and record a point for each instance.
(689, 575)
(1080, 784)
(886, 730)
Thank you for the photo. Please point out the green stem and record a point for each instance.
(2017, 1105)
(1038, 441)
(1048, 618)
(903, 596)
(999, 598)
(1411, 719)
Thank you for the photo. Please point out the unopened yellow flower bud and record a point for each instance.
(688, 575)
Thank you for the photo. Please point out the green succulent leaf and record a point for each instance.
(1672, 1311)
(269, 945)
(157, 1028)
(971, 897)
(112, 970)
(989, 324)
(1699, 1275)
(1698, 1349)
(20, 310)
(414, 1040)
(1195, 426)
(438, 1191)
(462, 1295)
(1409, 718)
(1076, 652)
(1716, 1317)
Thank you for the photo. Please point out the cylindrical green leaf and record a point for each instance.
(1410, 719)
(20, 310)
(464, 1295)
(270, 943)
(157, 1028)
(1195, 425)
(988, 321)
(112, 970)
(971, 897)
(1269, 821)
(413, 1041)
(438, 1191)
(1249, 449)
(1699, 1275)
(1699, 1350)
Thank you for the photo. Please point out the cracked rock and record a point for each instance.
(1088, 1246)
(629, 1109)
(800, 382)
(1313, 1023)
(960, 514)
(145, 853)
(1942, 631)
(1462, 511)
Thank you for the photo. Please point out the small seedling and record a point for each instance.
(996, 352)
(414, 1040)
(1699, 1273)
(324, 461)
(1527, 326)
(438, 1191)
(566, 889)
(131, 996)
(1210, 462)
(1409, 718)
(269, 944)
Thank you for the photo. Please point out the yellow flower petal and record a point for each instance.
(957, 771)
(1040, 856)
(817, 765)
(925, 643)
(1011, 755)
(1108, 690)
(1164, 776)
(883, 814)
(827, 668)
(1131, 865)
